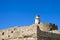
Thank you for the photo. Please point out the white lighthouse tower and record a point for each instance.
(37, 19)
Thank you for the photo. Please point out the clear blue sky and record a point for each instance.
(23, 12)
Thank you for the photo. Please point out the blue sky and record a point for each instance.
(23, 12)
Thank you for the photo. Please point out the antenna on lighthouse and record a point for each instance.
(37, 19)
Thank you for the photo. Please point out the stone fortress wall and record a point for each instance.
(37, 31)
(47, 35)
(48, 27)
(19, 33)
(32, 32)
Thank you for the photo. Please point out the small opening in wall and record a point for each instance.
(27, 36)
(50, 28)
(3, 33)
(8, 35)
(2, 39)
(11, 31)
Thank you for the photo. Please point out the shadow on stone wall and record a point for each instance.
(41, 35)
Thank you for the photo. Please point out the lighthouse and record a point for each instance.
(37, 19)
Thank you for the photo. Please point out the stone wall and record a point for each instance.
(32, 32)
(43, 35)
(48, 27)
(19, 33)
(44, 27)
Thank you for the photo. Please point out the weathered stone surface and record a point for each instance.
(32, 32)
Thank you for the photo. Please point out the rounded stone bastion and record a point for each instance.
(47, 27)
